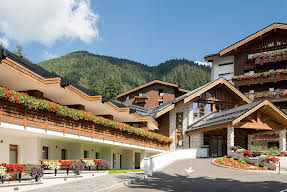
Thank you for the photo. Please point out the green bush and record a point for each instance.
(235, 162)
(231, 159)
(228, 164)
(265, 167)
(240, 160)
(224, 156)
(272, 151)
(257, 164)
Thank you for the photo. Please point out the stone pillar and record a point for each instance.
(230, 138)
(282, 140)
(196, 140)
(249, 142)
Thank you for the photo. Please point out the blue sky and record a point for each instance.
(147, 31)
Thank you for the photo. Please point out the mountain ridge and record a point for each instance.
(111, 76)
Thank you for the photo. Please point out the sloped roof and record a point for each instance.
(247, 39)
(229, 115)
(41, 71)
(151, 83)
(154, 111)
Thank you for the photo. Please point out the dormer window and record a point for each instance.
(160, 92)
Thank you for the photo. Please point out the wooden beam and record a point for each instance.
(257, 126)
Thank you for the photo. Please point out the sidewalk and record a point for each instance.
(91, 184)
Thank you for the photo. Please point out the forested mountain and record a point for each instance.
(110, 76)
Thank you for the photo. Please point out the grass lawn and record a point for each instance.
(125, 171)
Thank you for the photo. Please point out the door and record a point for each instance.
(114, 161)
(217, 146)
(64, 154)
(45, 153)
(121, 160)
(13, 155)
(137, 160)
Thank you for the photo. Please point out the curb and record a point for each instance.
(126, 183)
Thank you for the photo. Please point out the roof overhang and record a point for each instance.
(277, 117)
(215, 83)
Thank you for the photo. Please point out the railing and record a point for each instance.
(264, 77)
(15, 113)
(267, 94)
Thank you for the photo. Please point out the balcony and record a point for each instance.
(270, 57)
(260, 78)
(141, 99)
(19, 114)
(274, 96)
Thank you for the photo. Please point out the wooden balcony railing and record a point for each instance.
(15, 113)
(271, 95)
(260, 78)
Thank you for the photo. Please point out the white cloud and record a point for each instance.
(4, 41)
(46, 21)
(49, 55)
(203, 63)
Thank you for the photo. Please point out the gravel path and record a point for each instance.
(208, 177)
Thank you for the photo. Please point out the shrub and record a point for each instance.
(243, 162)
(78, 167)
(265, 167)
(247, 168)
(247, 153)
(228, 164)
(257, 164)
(221, 162)
(231, 159)
(224, 156)
(240, 160)
(235, 162)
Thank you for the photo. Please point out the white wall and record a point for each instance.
(158, 162)
(28, 149)
(217, 70)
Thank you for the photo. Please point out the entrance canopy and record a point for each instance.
(258, 116)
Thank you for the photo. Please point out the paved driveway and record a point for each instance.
(208, 177)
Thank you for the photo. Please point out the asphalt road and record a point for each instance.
(208, 177)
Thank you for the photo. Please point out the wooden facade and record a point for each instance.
(152, 94)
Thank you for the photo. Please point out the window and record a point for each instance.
(271, 89)
(45, 153)
(97, 155)
(251, 91)
(217, 107)
(208, 108)
(160, 92)
(160, 102)
(86, 154)
(179, 121)
(63, 154)
(201, 109)
(141, 94)
(195, 108)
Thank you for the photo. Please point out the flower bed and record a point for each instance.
(35, 171)
(254, 157)
(268, 57)
(42, 104)
(238, 164)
